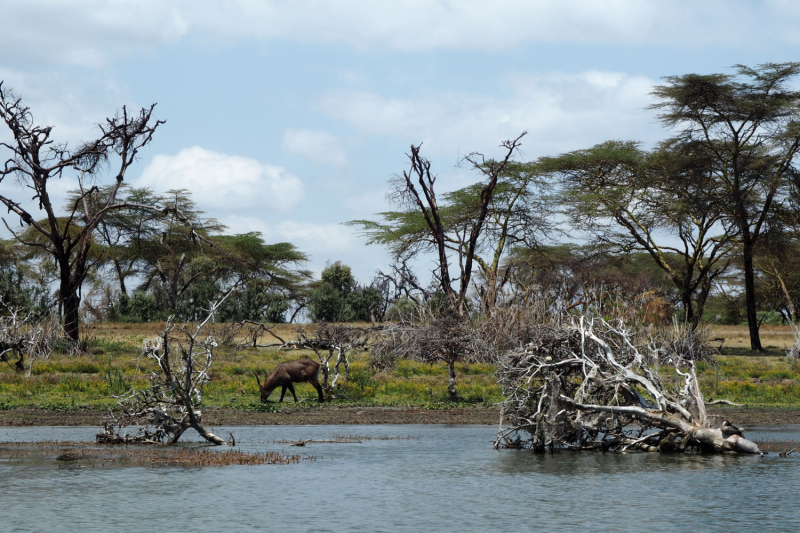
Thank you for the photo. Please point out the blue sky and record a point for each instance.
(289, 117)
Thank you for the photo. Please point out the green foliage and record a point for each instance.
(338, 298)
(67, 382)
(254, 303)
(769, 318)
(142, 307)
(22, 287)
(339, 277)
(629, 199)
(183, 270)
(115, 380)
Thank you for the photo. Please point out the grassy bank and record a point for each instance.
(113, 365)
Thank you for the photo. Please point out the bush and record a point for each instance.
(141, 307)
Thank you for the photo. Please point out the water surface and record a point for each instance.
(447, 478)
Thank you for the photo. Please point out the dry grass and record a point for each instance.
(128, 331)
(772, 337)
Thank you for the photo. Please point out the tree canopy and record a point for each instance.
(746, 126)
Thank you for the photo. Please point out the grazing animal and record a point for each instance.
(287, 373)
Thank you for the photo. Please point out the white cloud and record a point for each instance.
(86, 32)
(319, 146)
(366, 202)
(221, 182)
(558, 110)
(95, 32)
(315, 237)
(321, 242)
(476, 24)
(237, 224)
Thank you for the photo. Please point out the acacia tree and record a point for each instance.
(128, 235)
(35, 159)
(176, 259)
(779, 285)
(269, 276)
(183, 265)
(665, 203)
(747, 126)
(572, 277)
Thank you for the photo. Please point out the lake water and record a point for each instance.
(447, 478)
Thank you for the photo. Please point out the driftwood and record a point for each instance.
(589, 386)
(108, 434)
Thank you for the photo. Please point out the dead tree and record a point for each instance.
(171, 403)
(447, 338)
(229, 334)
(21, 335)
(35, 160)
(793, 353)
(590, 386)
(416, 188)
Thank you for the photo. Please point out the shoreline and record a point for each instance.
(349, 415)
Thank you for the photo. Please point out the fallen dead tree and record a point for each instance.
(590, 386)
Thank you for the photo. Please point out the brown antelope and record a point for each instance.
(298, 371)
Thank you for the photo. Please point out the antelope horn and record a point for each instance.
(258, 380)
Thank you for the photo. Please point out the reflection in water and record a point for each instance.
(447, 478)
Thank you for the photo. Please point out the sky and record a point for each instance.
(289, 117)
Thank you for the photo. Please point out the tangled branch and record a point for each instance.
(171, 403)
(589, 385)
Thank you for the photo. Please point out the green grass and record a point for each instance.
(764, 380)
(70, 382)
(89, 381)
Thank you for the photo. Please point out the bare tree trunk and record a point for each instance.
(194, 421)
(72, 303)
(451, 379)
(750, 295)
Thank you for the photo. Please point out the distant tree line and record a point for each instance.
(702, 226)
